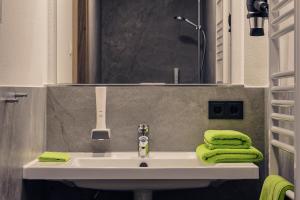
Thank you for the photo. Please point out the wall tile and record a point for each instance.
(178, 116)
(22, 135)
(141, 42)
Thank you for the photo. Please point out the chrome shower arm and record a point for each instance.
(193, 24)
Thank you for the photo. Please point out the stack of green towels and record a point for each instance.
(228, 146)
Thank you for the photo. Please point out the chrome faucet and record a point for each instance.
(143, 140)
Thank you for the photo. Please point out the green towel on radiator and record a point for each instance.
(275, 188)
(226, 139)
(250, 155)
(54, 157)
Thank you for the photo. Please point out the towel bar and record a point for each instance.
(282, 131)
(284, 74)
(280, 5)
(283, 146)
(282, 117)
(283, 17)
(283, 31)
(220, 22)
(283, 88)
(283, 103)
(290, 194)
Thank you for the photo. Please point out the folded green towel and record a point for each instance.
(54, 157)
(228, 155)
(226, 139)
(275, 188)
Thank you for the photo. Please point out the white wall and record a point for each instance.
(64, 41)
(24, 42)
(249, 54)
(256, 58)
(237, 42)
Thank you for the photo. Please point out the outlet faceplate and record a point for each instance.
(226, 110)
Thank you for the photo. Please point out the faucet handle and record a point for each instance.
(143, 146)
(143, 129)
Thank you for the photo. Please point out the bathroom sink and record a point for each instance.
(126, 171)
(136, 162)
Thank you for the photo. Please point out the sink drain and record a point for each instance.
(143, 164)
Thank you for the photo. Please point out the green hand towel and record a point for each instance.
(275, 188)
(228, 155)
(226, 139)
(54, 157)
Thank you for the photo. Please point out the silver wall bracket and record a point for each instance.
(13, 97)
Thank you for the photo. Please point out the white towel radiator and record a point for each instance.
(284, 95)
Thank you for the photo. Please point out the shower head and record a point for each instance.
(258, 11)
(180, 18)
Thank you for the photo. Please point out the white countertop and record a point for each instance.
(125, 166)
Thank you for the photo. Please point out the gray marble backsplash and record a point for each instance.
(22, 137)
(178, 116)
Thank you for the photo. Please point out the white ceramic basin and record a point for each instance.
(136, 163)
(122, 171)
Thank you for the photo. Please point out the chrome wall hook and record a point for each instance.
(11, 100)
(13, 97)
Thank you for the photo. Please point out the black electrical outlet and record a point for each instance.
(216, 110)
(235, 110)
(226, 110)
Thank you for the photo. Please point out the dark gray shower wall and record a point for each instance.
(141, 42)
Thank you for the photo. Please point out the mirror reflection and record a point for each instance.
(151, 42)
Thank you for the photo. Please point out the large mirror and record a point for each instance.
(152, 42)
